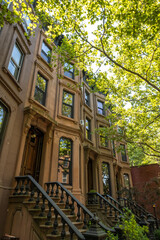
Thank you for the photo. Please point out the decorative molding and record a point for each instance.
(50, 76)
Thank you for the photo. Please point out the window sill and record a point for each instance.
(89, 141)
(100, 115)
(13, 78)
(44, 61)
(68, 78)
(33, 101)
(105, 148)
(89, 108)
(67, 118)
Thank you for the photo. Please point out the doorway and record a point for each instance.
(32, 153)
(106, 178)
(90, 175)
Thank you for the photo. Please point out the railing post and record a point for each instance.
(95, 232)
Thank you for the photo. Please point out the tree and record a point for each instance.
(125, 49)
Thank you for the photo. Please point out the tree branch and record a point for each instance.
(113, 61)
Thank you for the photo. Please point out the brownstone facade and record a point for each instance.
(47, 123)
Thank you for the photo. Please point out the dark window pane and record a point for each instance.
(123, 152)
(67, 107)
(40, 89)
(3, 119)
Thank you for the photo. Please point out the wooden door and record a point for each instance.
(90, 175)
(32, 153)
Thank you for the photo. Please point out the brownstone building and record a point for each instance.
(47, 123)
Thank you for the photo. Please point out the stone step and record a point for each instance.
(48, 229)
(36, 212)
(31, 204)
(67, 237)
(43, 220)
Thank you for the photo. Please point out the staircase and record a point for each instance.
(36, 214)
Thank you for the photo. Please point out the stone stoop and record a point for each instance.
(103, 215)
(24, 220)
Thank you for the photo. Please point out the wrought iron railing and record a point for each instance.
(113, 201)
(26, 185)
(109, 208)
(56, 189)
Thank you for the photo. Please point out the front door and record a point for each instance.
(32, 153)
(90, 175)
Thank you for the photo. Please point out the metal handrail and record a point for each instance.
(112, 199)
(91, 215)
(51, 202)
(105, 200)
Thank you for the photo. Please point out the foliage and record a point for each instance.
(131, 229)
(121, 44)
(157, 234)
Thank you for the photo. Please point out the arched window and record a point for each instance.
(65, 161)
(4, 114)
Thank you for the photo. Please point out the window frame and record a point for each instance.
(105, 139)
(5, 121)
(70, 72)
(44, 53)
(87, 98)
(126, 174)
(99, 108)
(69, 162)
(25, 25)
(40, 90)
(88, 130)
(14, 62)
(68, 105)
(123, 155)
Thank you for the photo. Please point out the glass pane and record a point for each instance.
(100, 105)
(13, 69)
(64, 162)
(68, 98)
(126, 181)
(123, 152)
(17, 55)
(45, 48)
(106, 178)
(103, 141)
(45, 57)
(87, 98)
(87, 124)
(39, 96)
(41, 83)
(68, 74)
(3, 113)
(67, 111)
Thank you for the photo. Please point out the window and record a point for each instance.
(87, 100)
(69, 70)
(88, 129)
(40, 89)
(123, 152)
(67, 107)
(46, 52)
(106, 178)
(65, 161)
(100, 106)
(113, 148)
(26, 22)
(126, 180)
(103, 139)
(4, 114)
(16, 61)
